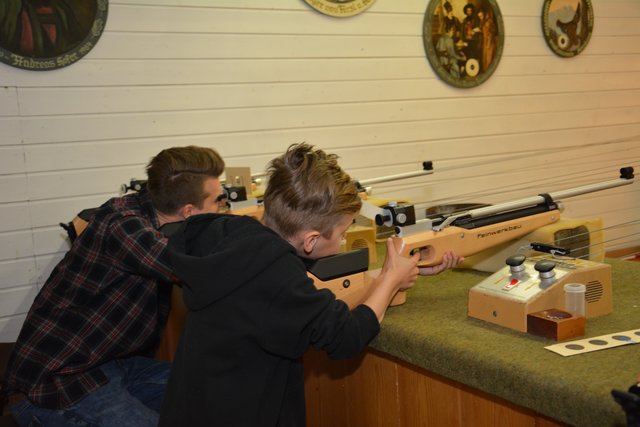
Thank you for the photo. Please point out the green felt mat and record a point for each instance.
(432, 330)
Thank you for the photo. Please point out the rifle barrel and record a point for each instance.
(372, 181)
(536, 200)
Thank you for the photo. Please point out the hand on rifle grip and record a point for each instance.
(449, 260)
(405, 270)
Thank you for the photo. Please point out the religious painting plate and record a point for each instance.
(463, 40)
(340, 8)
(567, 25)
(49, 34)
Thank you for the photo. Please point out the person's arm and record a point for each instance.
(398, 273)
(141, 248)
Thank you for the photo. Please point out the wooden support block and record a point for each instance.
(359, 236)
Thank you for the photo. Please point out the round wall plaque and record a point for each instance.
(463, 40)
(567, 25)
(49, 34)
(340, 8)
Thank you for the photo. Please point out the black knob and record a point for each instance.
(515, 260)
(544, 266)
(626, 173)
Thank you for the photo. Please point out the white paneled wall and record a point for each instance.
(250, 77)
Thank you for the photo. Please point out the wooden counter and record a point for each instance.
(378, 390)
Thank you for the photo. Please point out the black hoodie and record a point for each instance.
(253, 312)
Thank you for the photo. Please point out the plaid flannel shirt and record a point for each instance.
(108, 298)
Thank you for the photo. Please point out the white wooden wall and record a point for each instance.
(250, 77)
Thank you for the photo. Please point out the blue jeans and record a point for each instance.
(132, 397)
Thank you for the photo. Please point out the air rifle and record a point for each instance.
(233, 192)
(469, 232)
(472, 231)
(240, 204)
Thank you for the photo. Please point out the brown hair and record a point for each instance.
(176, 176)
(307, 190)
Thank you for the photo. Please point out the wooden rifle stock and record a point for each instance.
(465, 242)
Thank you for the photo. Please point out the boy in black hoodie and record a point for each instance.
(253, 311)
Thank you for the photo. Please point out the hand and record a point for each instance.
(449, 260)
(398, 273)
(401, 270)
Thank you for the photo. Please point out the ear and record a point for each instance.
(309, 240)
(186, 211)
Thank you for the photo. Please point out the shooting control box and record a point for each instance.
(530, 285)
